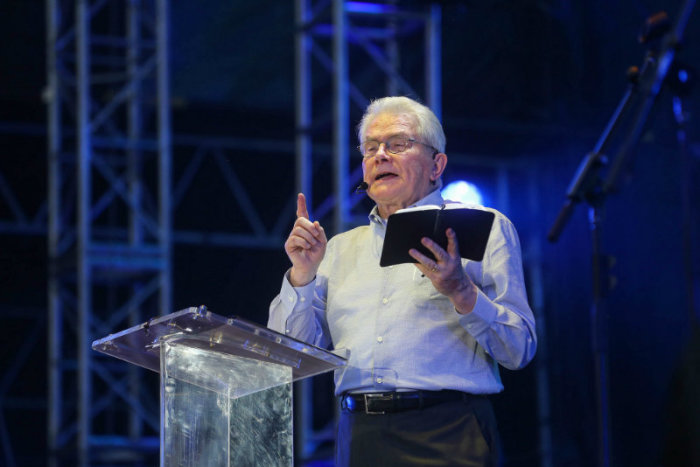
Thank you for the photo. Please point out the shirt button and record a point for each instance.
(303, 299)
(380, 339)
(291, 298)
(385, 300)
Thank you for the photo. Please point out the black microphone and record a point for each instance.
(362, 188)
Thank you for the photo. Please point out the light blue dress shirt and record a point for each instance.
(397, 331)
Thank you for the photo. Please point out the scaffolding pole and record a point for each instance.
(108, 177)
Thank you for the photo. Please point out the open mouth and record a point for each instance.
(384, 175)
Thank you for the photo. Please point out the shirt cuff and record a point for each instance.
(481, 317)
(296, 298)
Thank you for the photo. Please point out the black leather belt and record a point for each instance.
(378, 403)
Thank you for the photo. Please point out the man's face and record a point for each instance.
(397, 180)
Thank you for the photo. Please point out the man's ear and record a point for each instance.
(439, 164)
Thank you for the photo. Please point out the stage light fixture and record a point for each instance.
(463, 192)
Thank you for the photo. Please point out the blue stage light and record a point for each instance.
(463, 192)
(369, 8)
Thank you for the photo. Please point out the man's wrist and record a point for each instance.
(464, 299)
(298, 279)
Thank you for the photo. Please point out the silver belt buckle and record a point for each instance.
(369, 397)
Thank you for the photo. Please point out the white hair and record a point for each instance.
(428, 126)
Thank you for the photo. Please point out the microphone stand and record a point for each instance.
(588, 185)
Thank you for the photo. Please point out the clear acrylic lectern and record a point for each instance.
(225, 386)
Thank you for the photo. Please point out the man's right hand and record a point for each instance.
(305, 246)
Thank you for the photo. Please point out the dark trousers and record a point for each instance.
(458, 433)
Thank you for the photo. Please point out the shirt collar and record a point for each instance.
(435, 197)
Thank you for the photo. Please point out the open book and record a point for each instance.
(406, 227)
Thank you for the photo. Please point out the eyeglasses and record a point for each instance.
(394, 145)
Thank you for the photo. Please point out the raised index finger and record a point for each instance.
(301, 206)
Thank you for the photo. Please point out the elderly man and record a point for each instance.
(424, 341)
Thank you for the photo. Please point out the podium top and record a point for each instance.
(199, 327)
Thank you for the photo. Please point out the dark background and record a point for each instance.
(528, 84)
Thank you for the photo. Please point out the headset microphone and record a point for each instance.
(362, 188)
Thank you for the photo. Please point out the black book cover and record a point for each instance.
(405, 229)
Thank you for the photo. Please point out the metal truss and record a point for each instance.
(190, 153)
(198, 160)
(359, 46)
(109, 231)
(212, 160)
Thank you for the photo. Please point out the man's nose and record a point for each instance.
(382, 152)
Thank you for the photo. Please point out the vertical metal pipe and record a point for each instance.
(83, 153)
(135, 178)
(303, 391)
(134, 122)
(304, 166)
(599, 336)
(164, 154)
(341, 116)
(393, 54)
(433, 57)
(53, 102)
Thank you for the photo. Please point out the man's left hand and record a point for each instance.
(446, 272)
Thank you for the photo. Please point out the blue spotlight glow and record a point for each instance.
(683, 76)
(463, 192)
(369, 8)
